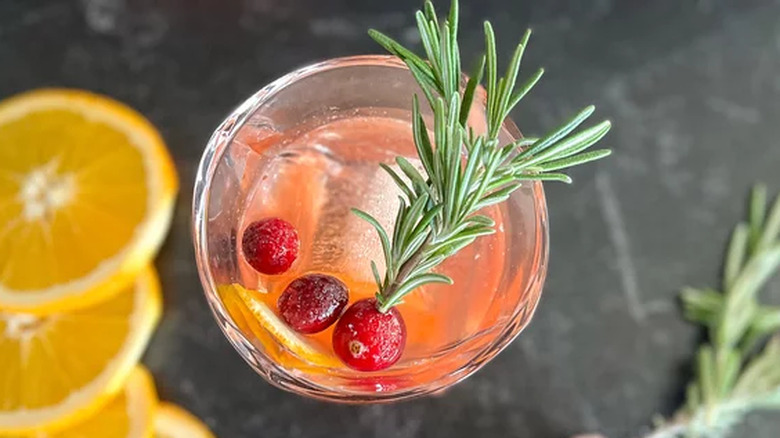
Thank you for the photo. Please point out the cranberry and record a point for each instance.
(270, 245)
(312, 303)
(366, 339)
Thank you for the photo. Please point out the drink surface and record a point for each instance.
(312, 177)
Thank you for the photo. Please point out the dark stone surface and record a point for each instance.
(694, 92)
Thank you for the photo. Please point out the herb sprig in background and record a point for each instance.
(738, 367)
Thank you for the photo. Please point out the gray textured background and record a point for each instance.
(692, 87)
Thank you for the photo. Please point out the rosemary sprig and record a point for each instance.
(733, 374)
(464, 171)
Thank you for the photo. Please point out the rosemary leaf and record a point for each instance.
(562, 177)
(757, 212)
(575, 160)
(386, 246)
(701, 305)
(471, 88)
(735, 257)
(398, 181)
(377, 277)
(771, 230)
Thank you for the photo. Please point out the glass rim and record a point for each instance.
(272, 372)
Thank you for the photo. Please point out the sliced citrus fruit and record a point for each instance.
(172, 421)
(129, 414)
(60, 368)
(86, 194)
(272, 325)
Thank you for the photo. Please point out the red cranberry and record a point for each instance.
(366, 339)
(270, 245)
(312, 303)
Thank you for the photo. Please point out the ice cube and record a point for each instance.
(345, 243)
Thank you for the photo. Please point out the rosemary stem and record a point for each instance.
(403, 272)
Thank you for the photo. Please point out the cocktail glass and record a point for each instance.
(307, 148)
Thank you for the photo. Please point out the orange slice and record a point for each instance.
(130, 414)
(172, 421)
(59, 369)
(86, 194)
(273, 333)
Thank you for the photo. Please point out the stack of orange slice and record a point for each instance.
(86, 195)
